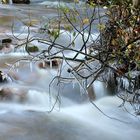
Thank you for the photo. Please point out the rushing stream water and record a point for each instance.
(24, 112)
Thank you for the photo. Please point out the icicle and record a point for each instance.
(106, 85)
(69, 75)
(81, 91)
(73, 84)
(13, 67)
(50, 64)
(43, 64)
(50, 101)
(82, 88)
(17, 66)
(84, 83)
(31, 66)
(125, 84)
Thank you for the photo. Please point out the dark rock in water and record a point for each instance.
(8, 94)
(21, 1)
(7, 40)
(16, 1)
(5, 43)
(5, 94)
(47, 64)
(2, 78)
(55, 63)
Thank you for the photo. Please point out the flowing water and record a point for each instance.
(25, 110)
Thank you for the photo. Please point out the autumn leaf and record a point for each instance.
(68, 27)
(129, 47)
(101, 26)
(31, 22)
(76, 1)
(86, 21)
(114, 42)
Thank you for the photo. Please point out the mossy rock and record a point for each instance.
(32, 49)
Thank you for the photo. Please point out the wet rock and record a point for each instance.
(7, 40)
(13, 94)
(21, 1)
(32, 49)
(48, 64)
(6, 45)
(5, 93)
(3, 78)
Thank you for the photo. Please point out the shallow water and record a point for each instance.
(72, 118)
(79, 122)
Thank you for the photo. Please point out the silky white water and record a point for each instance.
(70, 119)
(25, 113)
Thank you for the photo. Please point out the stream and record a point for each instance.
(26, 108)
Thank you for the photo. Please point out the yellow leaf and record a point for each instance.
(76, 1)
(31, 22)
(129, 46)
(114, 42)
(101, 26)
(68, 27)
(86, 21)
(104, 7)
(92, 4)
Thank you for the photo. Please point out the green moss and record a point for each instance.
(32, 49)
